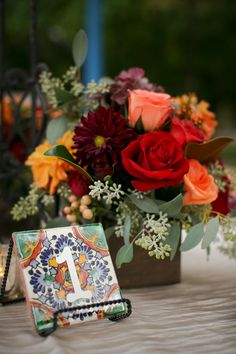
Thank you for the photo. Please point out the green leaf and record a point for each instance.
(205, 152)
(124, 255)
(62, 153)
(233, 213)
(193, 237)
(56, 128)
(139, 126)
(195, 218)
(127, 227)
(211, 230)
(173, 207)
(63, 96)
(58, 222)
(146, 204)
(80, 48)
(173, 239)
(109, 232)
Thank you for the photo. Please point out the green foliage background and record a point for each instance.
(184, 45)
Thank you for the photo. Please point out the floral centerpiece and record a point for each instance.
(126, 153)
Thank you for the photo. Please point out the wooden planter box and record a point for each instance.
(144, 270)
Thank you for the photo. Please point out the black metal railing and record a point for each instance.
(17, 88)
(19, 135)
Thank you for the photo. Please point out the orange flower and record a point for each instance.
(9, 106)
(7, 110)
(186, 106)
(56, 114)
(199, 185)
(209, 122)
(154, 108)
(190, 108)
(49, 171)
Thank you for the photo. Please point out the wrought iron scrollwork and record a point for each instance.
(19, 136)
(19, 133)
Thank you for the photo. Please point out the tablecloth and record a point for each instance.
(196, 316)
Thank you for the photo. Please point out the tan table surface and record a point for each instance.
(195, 316)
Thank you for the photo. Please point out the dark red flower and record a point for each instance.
(128, 80)
(156, 160)
(78, 184)
(18, 150)
(232, 201)
(222, 203)
(99, 140)
(17, 147)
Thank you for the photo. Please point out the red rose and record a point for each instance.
(156, 160)
(184, 131)
(78, 184)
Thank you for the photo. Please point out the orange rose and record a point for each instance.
(199, 185)
(154, 108)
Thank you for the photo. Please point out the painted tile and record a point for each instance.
(67, 267)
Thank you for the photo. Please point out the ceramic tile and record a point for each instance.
(66, 267)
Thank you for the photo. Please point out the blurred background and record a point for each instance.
(183, 45)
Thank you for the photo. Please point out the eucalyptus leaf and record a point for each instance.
(124, 255)
(195, 218)
(173, 239)
(127, 227)
(80, 48)
(61, 152)
(109, 232)
(211, 230)
(146, 204)
(193, 237)
(173, 207)
(55, 129)
(233, 213)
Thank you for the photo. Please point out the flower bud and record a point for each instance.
(82, 208)
(72, 198)
(86, 199)
(75, 205)
(87, 214)
(71, 217)
(67, 210)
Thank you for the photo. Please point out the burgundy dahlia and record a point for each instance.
(99, 140)
(129, 80)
